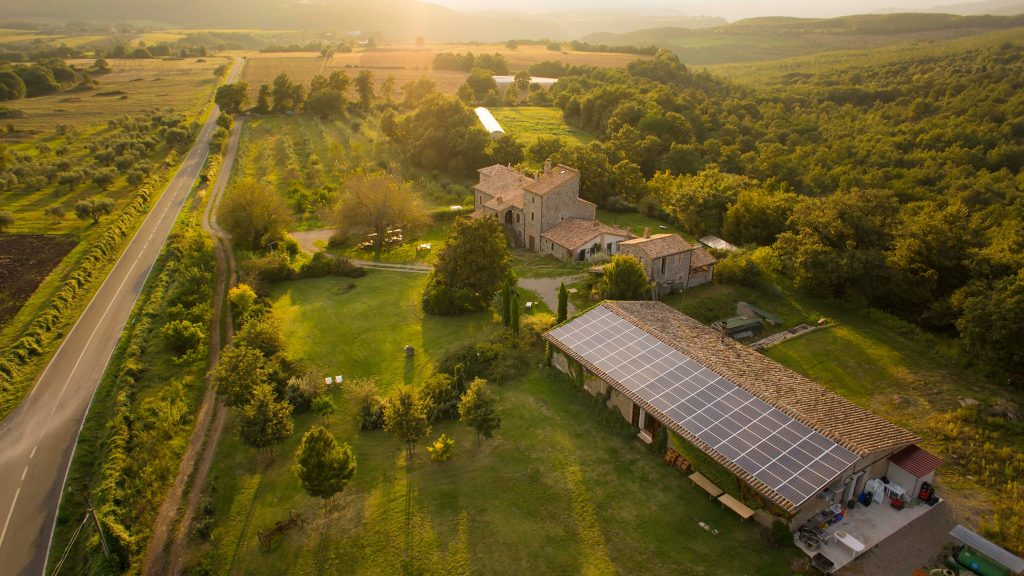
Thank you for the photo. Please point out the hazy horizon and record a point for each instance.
(731, 10)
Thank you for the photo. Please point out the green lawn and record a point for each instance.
(636, 222)
(528, 123)
(360, 327)
(563, 488)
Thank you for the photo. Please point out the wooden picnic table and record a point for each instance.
(736, 506)
(708, 486)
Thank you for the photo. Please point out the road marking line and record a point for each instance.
(23, 473)
(85, 347)
(33, 454)
(165, 197)
(9, 514)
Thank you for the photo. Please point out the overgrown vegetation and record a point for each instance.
(142, 417)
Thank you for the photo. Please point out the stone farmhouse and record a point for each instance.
(673, 264)
(545, 213)
(778, 440)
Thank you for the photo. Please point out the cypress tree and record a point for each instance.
(514, 313)
(563, 303)
(506, 304)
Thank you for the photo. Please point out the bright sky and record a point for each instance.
(729, 9)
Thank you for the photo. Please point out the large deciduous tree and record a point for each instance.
(758, 216)
(442, 134)
(364, 88)
(479, 411)
(12, 86)
(405, 416)
(506, 150)
(625, 279)
(264, 421)
(241, 370)
(254, 214)
(232, 97)
(836, 245)
(323, 466)
(326, 102)
(471, 268)
(699, 203)
(93, 208)
(377, 202)
(288, 95)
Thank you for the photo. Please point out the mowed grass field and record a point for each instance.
(408, 63)
(560, 489)
(184, 85)
(528, 123)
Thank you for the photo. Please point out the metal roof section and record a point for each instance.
(994, 552)
(489, 122)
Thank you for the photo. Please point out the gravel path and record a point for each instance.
(547, 289)
(308, 239)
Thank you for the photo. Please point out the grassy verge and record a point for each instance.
(143, 412)
(560, 489)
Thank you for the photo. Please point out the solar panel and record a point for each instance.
(787, 456)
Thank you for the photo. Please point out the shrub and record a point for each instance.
(534, 326)
(738, 268)
(302, 391)
(370, 405)
(263, 334)
(495, 361)
(241, 298)
(263, 271)
(441, 395)
(440, 450)
(323, 264)
(183, 336)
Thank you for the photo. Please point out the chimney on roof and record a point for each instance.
(547, 166)
(499, 201)
(596, 224)
(647, 231)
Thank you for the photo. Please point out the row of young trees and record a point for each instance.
(325, 97)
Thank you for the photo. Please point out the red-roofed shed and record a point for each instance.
(912, 467)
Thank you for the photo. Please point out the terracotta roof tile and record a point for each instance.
(556, 177)
(660, 245)
(572, 233)
(701, 258)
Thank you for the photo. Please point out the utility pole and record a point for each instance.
(99, 527)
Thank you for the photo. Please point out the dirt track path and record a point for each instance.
(166, 550)
(547, 289)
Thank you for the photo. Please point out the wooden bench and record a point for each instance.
(708, 486)
(736, 506)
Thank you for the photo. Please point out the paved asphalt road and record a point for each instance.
(37, 440)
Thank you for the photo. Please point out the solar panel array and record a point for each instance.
(789, 457)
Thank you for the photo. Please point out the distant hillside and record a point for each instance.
(997, 7)
(401, 19)
(758, 39)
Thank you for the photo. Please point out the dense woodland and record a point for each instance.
(896, 185)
